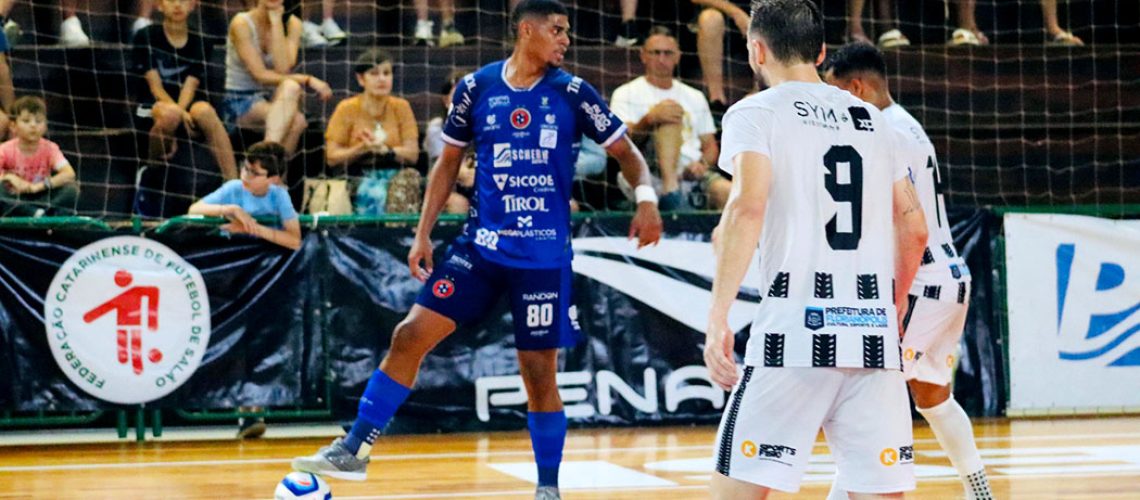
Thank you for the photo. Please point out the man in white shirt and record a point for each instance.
(675, 118)
(818, 188)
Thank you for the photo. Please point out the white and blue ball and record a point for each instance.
(303, 486)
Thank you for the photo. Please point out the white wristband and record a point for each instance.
(643, 193)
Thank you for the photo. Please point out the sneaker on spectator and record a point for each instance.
(449, 36)
(71, 33)
(893, 38)
(251, 427)
(140, 24)
(332, 32)
(13, 31)
(424, 30)
(311, 35)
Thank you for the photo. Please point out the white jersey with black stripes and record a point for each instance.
(827, 246)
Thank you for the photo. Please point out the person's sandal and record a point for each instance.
(1066, 39)
(963, 36)
(893, 38)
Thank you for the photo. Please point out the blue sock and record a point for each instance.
(377, 405)
(547, 436)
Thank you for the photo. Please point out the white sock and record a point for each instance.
(951, 427)
(836, 493)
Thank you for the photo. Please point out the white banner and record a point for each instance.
(1074, 313)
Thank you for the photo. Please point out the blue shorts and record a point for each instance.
(465, 286)
(238, 102)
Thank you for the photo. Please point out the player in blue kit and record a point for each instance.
(524, 117)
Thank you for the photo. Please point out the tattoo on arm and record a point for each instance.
(911, 200)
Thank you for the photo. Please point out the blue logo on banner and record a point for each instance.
(813, 318)
(1110, 276)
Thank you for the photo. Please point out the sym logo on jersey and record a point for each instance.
(601, 121)
(512, 204)
(1103, 310)
(818, 116)
(861, 119)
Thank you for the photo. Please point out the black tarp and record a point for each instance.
(292, 328)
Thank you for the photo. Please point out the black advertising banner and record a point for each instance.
(292, 328)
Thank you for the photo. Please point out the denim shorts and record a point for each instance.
(238, 102)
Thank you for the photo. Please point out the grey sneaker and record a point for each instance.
(336, 461)
(547, 493)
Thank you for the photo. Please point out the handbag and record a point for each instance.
(326, 196)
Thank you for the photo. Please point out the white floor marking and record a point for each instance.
(592, 474)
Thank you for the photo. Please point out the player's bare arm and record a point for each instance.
(646, 223)
(440, 183)
(910, 236)
(737, 236)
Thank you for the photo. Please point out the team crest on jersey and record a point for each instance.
(813, 318)
(490, 119)
(520, 118)
(443, 288)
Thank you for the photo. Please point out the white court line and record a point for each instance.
(482, 454)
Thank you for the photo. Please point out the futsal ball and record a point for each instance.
(303, 486)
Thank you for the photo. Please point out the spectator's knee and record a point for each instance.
(166, 117)
(299, 121)
(289, 89)
(711, 22)
(202, 111)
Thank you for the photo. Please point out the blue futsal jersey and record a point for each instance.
(526, 144)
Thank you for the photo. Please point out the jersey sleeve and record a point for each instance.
(458, 129)
(595, 119)
(745, 129)
(904, 156)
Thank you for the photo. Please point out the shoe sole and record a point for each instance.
(347, 476)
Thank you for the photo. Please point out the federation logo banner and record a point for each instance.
(127, 319)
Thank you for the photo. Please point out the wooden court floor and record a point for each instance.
(1026, 459)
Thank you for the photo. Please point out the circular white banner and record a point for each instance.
(127, 319)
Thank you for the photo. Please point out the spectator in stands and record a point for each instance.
(172, 60)
(627, 37)
(34, 175)
(675, 118)
(326, 33)
(374, 135)
(261, 89)
(71, 33)
(710, 44)
(460, 200)
(257, 194)
(890, 38)
(448, 34)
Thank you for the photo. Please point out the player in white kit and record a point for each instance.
(841, 234)
(940, 295)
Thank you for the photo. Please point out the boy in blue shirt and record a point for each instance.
(257, 194)
(524, 117)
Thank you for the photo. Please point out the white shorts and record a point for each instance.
(930, 346)
(774, 415)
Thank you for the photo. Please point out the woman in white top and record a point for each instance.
(261, 90)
